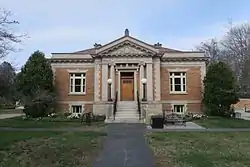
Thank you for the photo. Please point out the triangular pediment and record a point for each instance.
(127, 46)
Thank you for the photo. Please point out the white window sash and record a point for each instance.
(182, 85)
(83, 83)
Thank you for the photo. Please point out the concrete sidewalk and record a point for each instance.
(4, 116)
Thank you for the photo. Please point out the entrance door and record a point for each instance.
(127, 89)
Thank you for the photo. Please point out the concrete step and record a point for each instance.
(126, 110)
(126, 113)
(124, 120)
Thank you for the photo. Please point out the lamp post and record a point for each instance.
(144, 81)
(109, 89)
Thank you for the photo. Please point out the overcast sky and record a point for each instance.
(71, 25)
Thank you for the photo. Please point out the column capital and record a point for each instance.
(111, 63)
(142, 63)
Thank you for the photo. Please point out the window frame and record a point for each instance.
(182, 77)
(76, 105)
(72, 79)
(184, 109)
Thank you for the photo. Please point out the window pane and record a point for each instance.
(184, 87)
(78, 74)
(83, 81)
(71, 88)
(179, 108)
(78, 88)
(76, 109)
(184, 80)
(83, 74)
(177, 73)
(177, 87)
(83, 88)
(177, 81)
(77, 81)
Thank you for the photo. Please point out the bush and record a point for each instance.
(40, 107)
(36, 110)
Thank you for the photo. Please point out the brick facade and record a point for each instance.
(155, 69)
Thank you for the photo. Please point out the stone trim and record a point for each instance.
(157, 80)
(149, 81)
(72, 65)
(181, 59)
(77, 71)
(75, 102)
(126, 39)
(69, 60)
(133, 59)
(183, 64)
(180, 101)
(104, 82)
(97, 81)
(178, 70)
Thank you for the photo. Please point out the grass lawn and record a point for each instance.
(219, 122)
(49, 149)
(200, 149)
(18, 122)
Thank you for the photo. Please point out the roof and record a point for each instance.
(160, 48)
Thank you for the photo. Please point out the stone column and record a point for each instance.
(157, 81)
(104, 81)
(112, 76)
(141, 76)
(149, 82)
(97, 80)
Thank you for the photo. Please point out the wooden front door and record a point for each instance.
(127, 89)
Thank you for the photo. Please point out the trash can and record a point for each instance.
(157, 122)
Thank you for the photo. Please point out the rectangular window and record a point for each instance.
(78, 83)
(76, 109)
(177, 82)
(179, 109)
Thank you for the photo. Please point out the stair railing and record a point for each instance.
(139, 104)
(115, 104)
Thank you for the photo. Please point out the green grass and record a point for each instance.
(49, 149)
(200, 149)
(18, 122)
(219, 122)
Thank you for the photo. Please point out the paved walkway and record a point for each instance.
(4, 116)
(125, 146)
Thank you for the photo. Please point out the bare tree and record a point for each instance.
(235, 44)
(7, 36)
(211, 49)
(233, 50)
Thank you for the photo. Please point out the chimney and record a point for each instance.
(158, 45)
(97, 45)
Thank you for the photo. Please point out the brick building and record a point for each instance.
(163, 78)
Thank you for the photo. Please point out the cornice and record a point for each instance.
(71, 60)
(178, 59)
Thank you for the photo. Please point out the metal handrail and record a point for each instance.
(115, 104)
(139, 104)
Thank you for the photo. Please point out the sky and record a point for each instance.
(68, 26)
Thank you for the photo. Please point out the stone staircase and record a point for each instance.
(127, 112)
